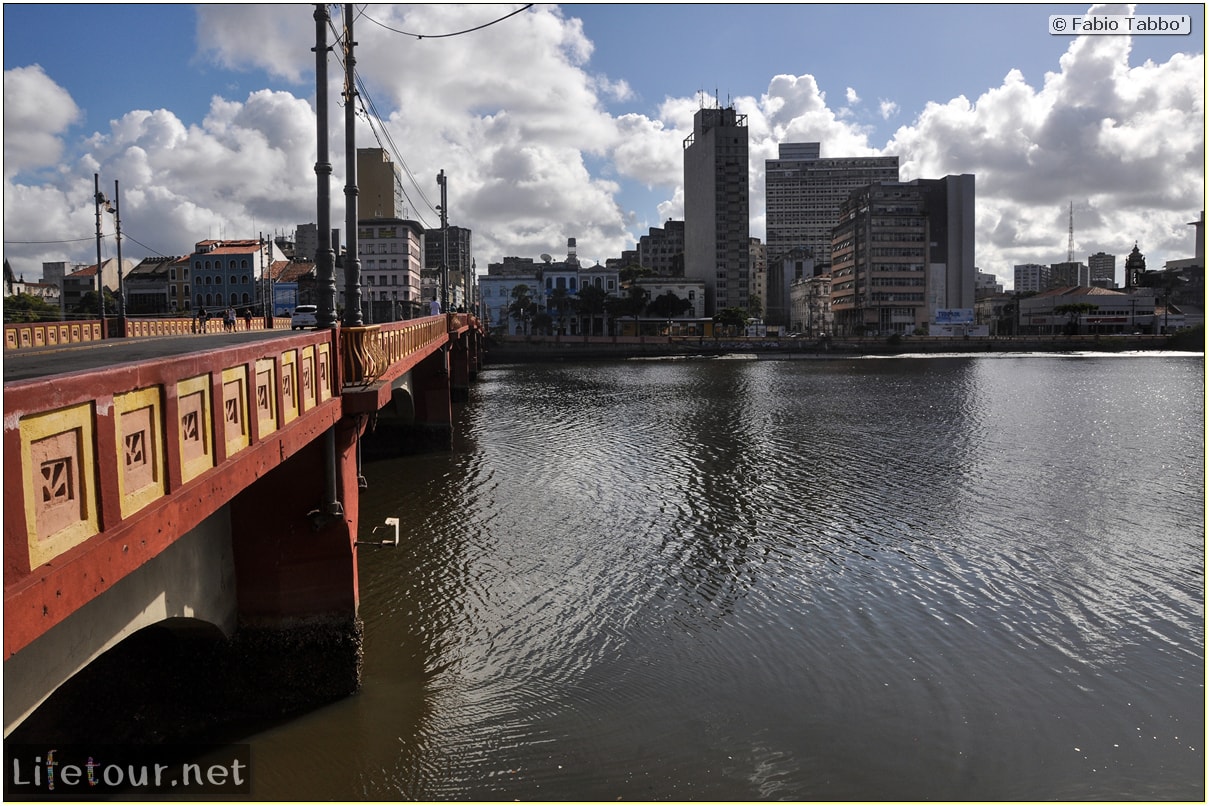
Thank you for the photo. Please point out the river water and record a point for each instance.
(954, 578)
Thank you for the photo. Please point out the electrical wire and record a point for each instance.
(65, 240)
(525, 7)
(380, 131)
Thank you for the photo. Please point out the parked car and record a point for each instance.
(304, 316)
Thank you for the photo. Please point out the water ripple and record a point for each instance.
(832, 580)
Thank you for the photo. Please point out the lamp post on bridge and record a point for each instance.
(99, 199)
(444, 208)
(117, 223)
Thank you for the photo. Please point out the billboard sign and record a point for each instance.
(954, 316)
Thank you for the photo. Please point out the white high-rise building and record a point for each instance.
(716, 208)
(1031, 277)
(803, 193)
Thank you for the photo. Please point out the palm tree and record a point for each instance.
(734, 318)
(590, 303)
(523, 308)
(632, 304)
(560, 301)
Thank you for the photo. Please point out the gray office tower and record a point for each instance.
(716, 208)
(803, 193)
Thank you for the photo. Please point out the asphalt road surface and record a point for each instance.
(37, 362)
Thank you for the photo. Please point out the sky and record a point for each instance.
(568, 121)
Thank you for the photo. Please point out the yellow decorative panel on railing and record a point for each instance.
(195, 434)
(61, 502)
(139, 415)
(308, 378)
(235, 409)
(266, 396)
(290, 393)
(326, 371)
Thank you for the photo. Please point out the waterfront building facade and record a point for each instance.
(949, 206)
(1069, 274)
(793, 267)
(1030, 277)
(757, 285)
(810, 306)
(690, 290)
(803, 193)
(147, 287)
(1112, 312)
(378, 192)
(661, 250)
(1102, 268)
(986, 285)
(226, 273)
(460, 267)
(879, 261)
(390, 251)
(716, 207)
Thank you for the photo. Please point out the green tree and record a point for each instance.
(523, 308)
(632, 304)
(590, 303)
(88, 304)
(29, 308)
(733, 319)
(560, 303)
(633, 272)
(1073, 311)
(668, 305)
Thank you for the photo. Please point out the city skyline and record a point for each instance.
(561, 122)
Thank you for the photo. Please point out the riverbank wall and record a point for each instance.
(522, 349)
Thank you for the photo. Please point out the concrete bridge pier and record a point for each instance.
(432, 427)
(299, 636)
(460, 368)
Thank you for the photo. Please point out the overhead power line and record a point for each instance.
(442, 36)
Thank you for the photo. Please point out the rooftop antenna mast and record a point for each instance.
(1070, 236)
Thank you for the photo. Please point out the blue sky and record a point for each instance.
(567, 122)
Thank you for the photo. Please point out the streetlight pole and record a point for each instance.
(324, 254)
(97, 198)
(352, 262)
(117, 222)
(444, 244)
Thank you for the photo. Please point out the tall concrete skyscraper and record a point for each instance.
(377, 196)
(952, 275)
(1103, 269)
(903, 255)
(716, 207)
(803, 193)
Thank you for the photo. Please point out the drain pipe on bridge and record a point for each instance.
(332, 508)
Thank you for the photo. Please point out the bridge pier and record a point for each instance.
(191, 522)
(299, 636)
(460, 368)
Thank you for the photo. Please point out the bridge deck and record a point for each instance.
(115, 448)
